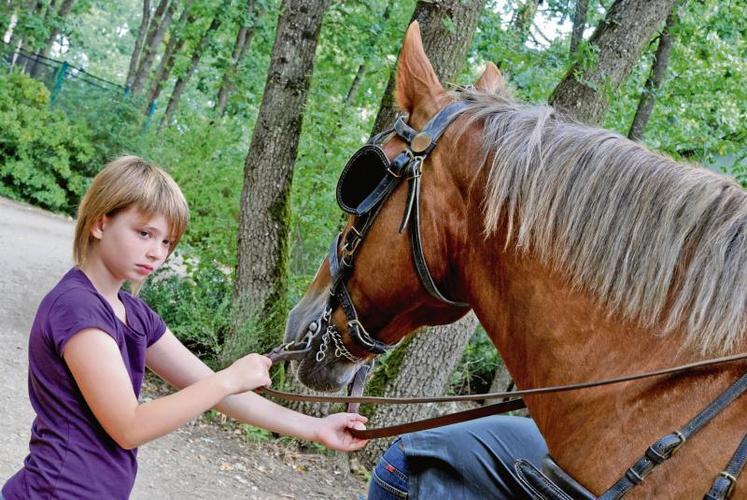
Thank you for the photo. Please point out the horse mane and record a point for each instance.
(662, 243)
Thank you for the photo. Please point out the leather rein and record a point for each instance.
(406, 165)
(512, 400)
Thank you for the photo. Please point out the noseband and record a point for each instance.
(366, 182)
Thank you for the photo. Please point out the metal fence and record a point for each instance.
(72, 87)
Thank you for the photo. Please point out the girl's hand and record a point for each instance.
(248, 373)
(333, 431)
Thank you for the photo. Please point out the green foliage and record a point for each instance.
(114, 121)
(474, 372)
(209, 167)
(46, 159)
(700, 112)
(532, 71)
(195, 307)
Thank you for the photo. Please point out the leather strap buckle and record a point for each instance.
(732, 482)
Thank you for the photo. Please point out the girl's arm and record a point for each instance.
(179, 367)
(96, 364)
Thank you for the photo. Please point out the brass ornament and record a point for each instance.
(420, 142)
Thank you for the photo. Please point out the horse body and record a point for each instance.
(549, 334)
(552, 323)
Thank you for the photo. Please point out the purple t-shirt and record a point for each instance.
(70, 454)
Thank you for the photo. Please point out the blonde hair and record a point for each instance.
(124, 182)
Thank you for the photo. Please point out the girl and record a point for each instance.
(90, 343)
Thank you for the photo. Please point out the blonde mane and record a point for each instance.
(658, 241)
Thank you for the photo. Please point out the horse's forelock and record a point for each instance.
(658, 241)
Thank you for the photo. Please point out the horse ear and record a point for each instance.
(491, 81)
(417, 85)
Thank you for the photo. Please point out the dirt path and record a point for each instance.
(201, 460)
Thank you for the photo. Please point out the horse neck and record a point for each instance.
(549, 333)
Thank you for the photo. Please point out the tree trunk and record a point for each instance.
(19, 39)
(176, 42)
(243, 40)
(353, 90)
(182, 81)
(425, 366)
(658, 69)
(524, 18)
(261, 271)
(502, 382)
(579, 23)
(65, 8)
(135, 58)
(7, 11)
(446, 28)
(618, 41)
(156, 31)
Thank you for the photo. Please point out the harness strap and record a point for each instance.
(403, 130)
(664, 448)
(417, 246)
(723, 485)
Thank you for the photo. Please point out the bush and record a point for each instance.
(196, 307)
(46, 159)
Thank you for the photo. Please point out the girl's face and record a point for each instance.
(132, 245)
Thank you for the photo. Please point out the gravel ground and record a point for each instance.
(205, 459)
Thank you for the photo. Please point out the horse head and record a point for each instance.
(387, 295)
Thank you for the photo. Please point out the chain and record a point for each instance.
(340, 349)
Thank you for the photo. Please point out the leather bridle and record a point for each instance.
(407, 165)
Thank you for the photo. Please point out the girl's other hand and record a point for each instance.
(334, 431)
(248, 373)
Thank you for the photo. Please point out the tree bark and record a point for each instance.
(658, 69)
(176, 42)
(261, 272)
(446, 29)
(243, 40)
(617, 42)
(579, 23)
(182, 81)
(419, 375)
(136, 52)
(156, 31)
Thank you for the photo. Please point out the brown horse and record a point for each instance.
(584, 255)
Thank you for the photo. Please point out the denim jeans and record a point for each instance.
(469, 461)
(390, 476)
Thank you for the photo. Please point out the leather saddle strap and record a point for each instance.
(724, 483)
(664, 448)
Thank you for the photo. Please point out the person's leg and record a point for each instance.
(470, 460)
(390, 476)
